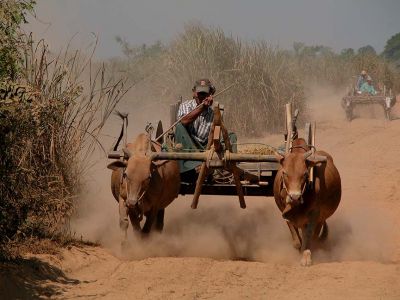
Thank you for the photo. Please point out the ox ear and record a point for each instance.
(115, 165)
(315, 160)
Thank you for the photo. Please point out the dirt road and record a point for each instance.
(222, 252)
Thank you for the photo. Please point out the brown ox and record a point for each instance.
(302, 206)
(143, 187)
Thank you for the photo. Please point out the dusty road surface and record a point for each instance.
(222, 252)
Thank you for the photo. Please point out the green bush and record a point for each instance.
(49, 127)
(12, 15)
(36, 189)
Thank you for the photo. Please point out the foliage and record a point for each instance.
(139, 62)
(262, 76)
(321, 65)
(49, 127)
(392, 49)
(266, 77)
(50, 118)
(132, 52)
(366, 50)
(347, 53)
(12, 15)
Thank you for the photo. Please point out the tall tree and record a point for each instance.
(347, 53)
(366, 50)
(392, 49)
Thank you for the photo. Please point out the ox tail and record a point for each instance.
(323, 234)
(124, 117)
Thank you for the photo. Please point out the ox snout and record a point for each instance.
(293, 197)
(131, 202)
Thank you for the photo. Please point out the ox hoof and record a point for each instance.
(306, 260)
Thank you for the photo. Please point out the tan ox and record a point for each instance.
(143, 187)
(302, 206)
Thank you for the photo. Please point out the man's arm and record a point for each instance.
(193, 115)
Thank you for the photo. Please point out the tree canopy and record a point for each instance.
(392, 49)
(366, 50)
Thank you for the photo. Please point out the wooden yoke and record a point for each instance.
(214, 146)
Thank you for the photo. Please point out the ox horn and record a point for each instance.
(128, 153)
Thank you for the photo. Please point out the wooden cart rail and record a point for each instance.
(207, 155)
(366, 99)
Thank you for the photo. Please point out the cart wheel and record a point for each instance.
(349, 114)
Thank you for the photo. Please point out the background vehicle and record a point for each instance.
(384, 98)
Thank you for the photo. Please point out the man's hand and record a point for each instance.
(208, 101)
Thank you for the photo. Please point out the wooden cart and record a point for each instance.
(384, 98)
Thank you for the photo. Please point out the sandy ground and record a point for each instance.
(220, 251)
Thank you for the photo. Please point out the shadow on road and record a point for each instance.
(32, 279)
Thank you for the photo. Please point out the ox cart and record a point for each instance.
(306, 194)
(353, 97)
(222, 170)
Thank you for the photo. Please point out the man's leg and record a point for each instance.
(183, 138)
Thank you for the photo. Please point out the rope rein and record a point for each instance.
(303, 147)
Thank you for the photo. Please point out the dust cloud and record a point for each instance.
(219, 229)
(363, 228)
(359, 233)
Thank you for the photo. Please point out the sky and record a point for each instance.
(334, 23)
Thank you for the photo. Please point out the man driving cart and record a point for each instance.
(196, 117)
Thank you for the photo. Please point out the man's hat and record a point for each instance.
(202, 86)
